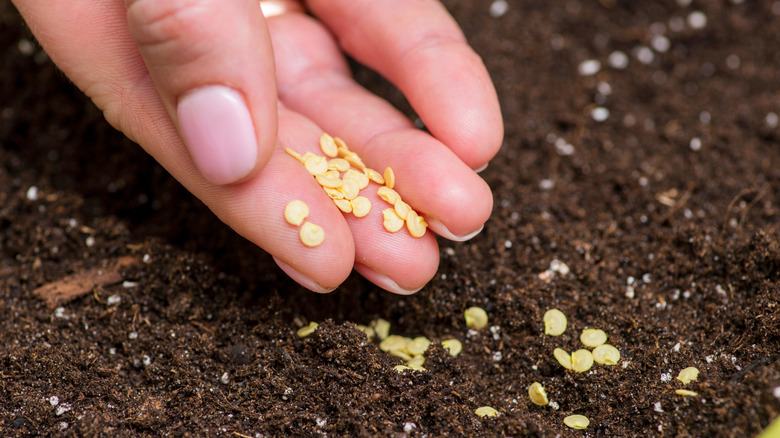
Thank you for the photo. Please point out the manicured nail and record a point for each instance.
(382, 280)
(438, 227)
(301, 279)
(480, 169)
(218, 131)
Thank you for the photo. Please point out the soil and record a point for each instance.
(665, 213)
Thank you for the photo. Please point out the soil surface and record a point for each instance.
(640, 196)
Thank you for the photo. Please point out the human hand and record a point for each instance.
(210, 71)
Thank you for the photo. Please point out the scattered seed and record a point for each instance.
(486, 411)
(593, 337)
(334, 193)
(401, 368)
(328, 145)
(688, 375)
(576, 421)
(537, 394)
(349, 188)
(341, 144)
(563, 357)
(415, 224)
(381, 328)
(345, 205)
(402, 209)
(339, 164)
(360, 206)
(554, 322)
(355, 161)
(418, 346)
(416, 363)
(311, 234)
(454, 346)
(329, 179)
(294, 154)
(359, 177)
(295, 212)
(374, 176)
(391, 221)
(389, 178)
(315, 164)
(393, 342)
(476, 317)
(581, 360)
(685, 392)
(606, 354)
(307, 329)
(388, 195)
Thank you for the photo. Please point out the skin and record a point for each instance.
(135, 59)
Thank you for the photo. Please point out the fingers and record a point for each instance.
(210, 62)
(418, 46)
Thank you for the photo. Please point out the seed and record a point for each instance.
(606, 354)
(388, 195)
(453, 346)
(381, 328)
(554, 322)
(537, 394)
(359, 177)
(393, 342)
(417, 363)
(369, 331)
(415, 224)
(576, 421)
(328, 145)
(334, 193)
(418, 346)
(688, 375)
(344, 205)
(389, 178)
(486, 411)
(295, 212)
(349, 188)
(374, 176)
(581, 360)
(476, 317)
(391, 221)
(316, 164)
(401, 368)
(593, 337)
(311, 234)
(294, 154)
(339, 164)
(563, 357)
(329, 179)
(686, 392)
(355, 161)
(402, 354)
(402, 209)
(360, 206)
(341, 144)
(307, 329)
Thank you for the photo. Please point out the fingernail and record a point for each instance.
(301, 279)
(480, 169)
(382, 280)
(438, 227)
(218, 131)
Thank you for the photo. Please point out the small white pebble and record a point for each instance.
(32, 193)
(644, 54)
(599, 114)
(776, 392)
(733, 62)
(62, 425)
(497, 356)
(508, 244)
(705, 117)
(618, 60)
(129, 284)
(546, 184)
(498, 8)
(89, 241)
(563, 148)
(660, 43)
(589, 67)
(112, 351)
(26, 47)
(630, 292)
(114, 299)
(133, 335)
(409, 426)
(225, 378)
(59, 312)
(697, 20)
(61, 409)
(647, 278)
(146, 258)
(665, 377)
(554, 405)
(695, 144)
(321, 421)
(147, 360)
(54, 400)
(771, 120)
(657, 407)
(604, 88)
(676, 347)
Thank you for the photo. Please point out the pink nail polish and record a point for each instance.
(219, 133)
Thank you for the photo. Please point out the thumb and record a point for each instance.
(212, 64)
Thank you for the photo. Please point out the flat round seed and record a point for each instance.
(355, 161)
(554, 322)
(453, 346)
(294, 154)
(388, 195)
(311, 234)
(688, 375)
(339, 164)
(581, 360)
(345, 205)
(402, 209)
(402, 353)
(340, 144)
(359, 177)
(476, 317)
(486, 411)
(328, 145)
(391, 221)
(374, 176)
(537, 394)
(606, 354)
(563, 357)
(349, 188)
(401, 368)
(316, 164)
(389, 177)
(334, 193)
(415, 224)
(360, 206)
(685, 392)
(576, 421)
(296, 212)
(394, 343)
(418, 346)
(416, 363)
(381, 328)
(593, 337)
(307, 329)
(329, 180)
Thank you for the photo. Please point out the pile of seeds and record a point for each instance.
(310, 233)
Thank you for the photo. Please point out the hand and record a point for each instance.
(239, 88)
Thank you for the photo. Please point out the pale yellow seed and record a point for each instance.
(307, 329)
(476, 317)
(307, 155)
(349, 188)
(329, 179)
(296, 212)
(381, 328)
(402, 353)
(359, 177)
(606, 354)
(388, 195)
(294, 154)
(341, 144)
(334, 193)
(311, 234)
(453, 346)
(416, 363)
(374, 176)
(688, 375)
(576, 421)
(345, 205)
(581, 360)
(593, 337)
(563, 357)
(391, 221)
(537, 394)
(360, 206)
(418, 346)
(389, 178)
(402, 209)
(685, 392)
(355, 161)
(415, 224)
(486, 411)
(394, 342)
(328, 145)
(367, 330)
(316, 164)
(339, 164)
(554, 322)
(401, 368)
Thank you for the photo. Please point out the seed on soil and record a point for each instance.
(581, 360)
(416, 363)
(593, 337)
(328, 145)
(388, 195)
(416, 224)
(381, 328)
(486, 411)
(361, 206)
(374, 176)
(576, 421)
(476, 317)
(554, 322)
(418, 346)
(688, 375)
(563, 357)
(685, 392)
(454, 346)
(307, 329)
(311, 234)
(401, 368)
(345, 205)
(606, 354)
(296, 212)
(391, 221)
(537, 394)
(389, 177)
(393, 343)
(315, 164)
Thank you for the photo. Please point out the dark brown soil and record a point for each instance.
(666, 213)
